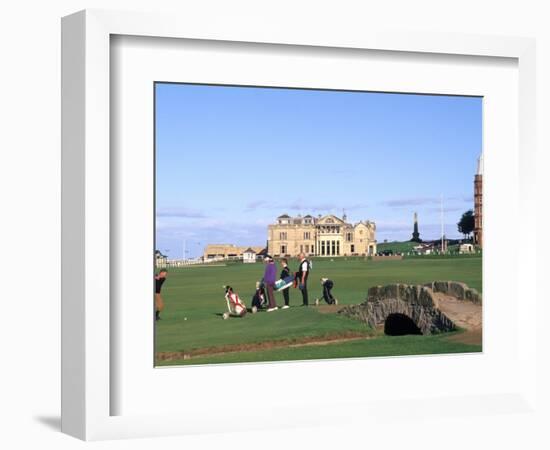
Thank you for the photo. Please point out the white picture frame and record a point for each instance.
(87, 328)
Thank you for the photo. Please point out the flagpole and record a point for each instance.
(442, 226)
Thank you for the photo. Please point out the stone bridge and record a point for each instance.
(419, 309)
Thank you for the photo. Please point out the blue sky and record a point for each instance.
(229, 160)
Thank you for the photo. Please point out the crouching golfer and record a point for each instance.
(327, 294)
(269, 281)
(159, 302)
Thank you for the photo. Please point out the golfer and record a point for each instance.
(327, 294)
(285, 273)
(269, 281)
(301, 277)
(159, 302)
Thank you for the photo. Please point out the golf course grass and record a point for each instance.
(378, 346)
(191, 322)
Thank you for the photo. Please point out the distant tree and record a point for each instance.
(467, 223)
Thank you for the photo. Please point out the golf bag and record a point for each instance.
(284, 283)
(235, 306)
(259, 300)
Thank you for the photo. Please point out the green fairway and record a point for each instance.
(194, 302)
(380, 346)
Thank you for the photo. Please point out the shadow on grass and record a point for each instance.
(231, 316)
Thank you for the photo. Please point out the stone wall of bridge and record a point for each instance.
(418, 302)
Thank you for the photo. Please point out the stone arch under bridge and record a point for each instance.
(419, 303)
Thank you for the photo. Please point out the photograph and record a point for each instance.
(297, 224)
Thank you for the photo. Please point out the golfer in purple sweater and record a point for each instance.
(269, 281)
